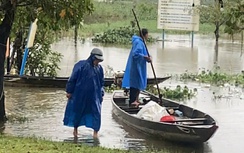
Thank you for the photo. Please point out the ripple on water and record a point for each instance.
(45, 107)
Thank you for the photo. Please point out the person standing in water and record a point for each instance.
(85, 94)
(135, 76)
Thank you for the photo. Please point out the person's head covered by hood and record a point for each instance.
(96, 56)
(143, 33)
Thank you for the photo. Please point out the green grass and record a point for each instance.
(91, 29)
(118, 14)
(10, 144)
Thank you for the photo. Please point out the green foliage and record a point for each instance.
(42, 60)
(121, 35)
(118, 14)
(179, 93)
(230, 16)
(204, 15)
(111, 88)
(121, 10)
(235, 18)
(212, 13)
(53, 17)
(147, 11)
(216, 78)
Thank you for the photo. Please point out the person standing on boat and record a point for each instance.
(85, 94)
(135, 76)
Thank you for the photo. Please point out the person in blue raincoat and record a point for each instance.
(135, 76)
(85, 94)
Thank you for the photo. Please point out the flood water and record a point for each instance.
(43, 108)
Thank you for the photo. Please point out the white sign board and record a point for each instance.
(178, 15)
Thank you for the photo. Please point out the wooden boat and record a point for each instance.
(57, 82)
(194, 127)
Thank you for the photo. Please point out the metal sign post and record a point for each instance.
(192, 39)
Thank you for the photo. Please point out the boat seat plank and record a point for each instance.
(130, 108)
(191, 120)
(193, 123)
(192, 126)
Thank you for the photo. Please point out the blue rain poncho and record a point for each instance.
(86, 87)
(136, 69)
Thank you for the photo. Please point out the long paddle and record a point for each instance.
(160, 96)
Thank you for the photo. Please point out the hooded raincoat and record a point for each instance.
(86, 88)
(136, 69)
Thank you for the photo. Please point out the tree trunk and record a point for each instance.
(216, 48)
(17, 49)
(216, 32)
(242, 36)
(2, 127)
(19, 59)
(76, 34)
(5, 28)
(8, 56)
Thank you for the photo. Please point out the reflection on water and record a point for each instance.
(175, 58)
(150, 143)
(87, 141)
(46, 114)
(44, 108)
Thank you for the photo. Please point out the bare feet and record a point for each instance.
(95, 135)
(75, 133)
(135, 104)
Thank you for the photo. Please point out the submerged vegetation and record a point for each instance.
(215, 78)
(121, 35)
(108, 22)
(111, 88)
(179, 93)
(118, 14)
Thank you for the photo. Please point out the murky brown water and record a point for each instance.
(175, 58)
(44, 108)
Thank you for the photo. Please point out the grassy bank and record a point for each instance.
(91, 29)
(10, 144)
(119, 14)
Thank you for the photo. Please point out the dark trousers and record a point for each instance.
(134, 93)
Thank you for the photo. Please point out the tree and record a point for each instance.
(53, 15)
(235, 24)
(9, 9)
(214, 12)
